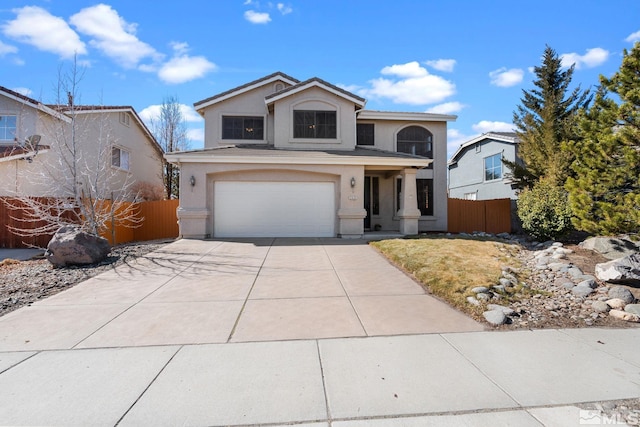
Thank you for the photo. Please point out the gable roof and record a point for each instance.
(244, 88)
(315, 82)
(508, 137)
(23, 99)
(91, 109)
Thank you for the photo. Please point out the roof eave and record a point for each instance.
(393, 115)
(261, 160)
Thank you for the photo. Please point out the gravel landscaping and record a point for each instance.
(25, 282)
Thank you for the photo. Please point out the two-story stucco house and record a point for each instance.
(305, 159)
(476, 171)
(35, 147)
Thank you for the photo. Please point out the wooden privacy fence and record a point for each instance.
(155, 220)
(490, 216)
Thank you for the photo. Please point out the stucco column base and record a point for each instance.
(351, 223)
(193, 222)
(409, 221)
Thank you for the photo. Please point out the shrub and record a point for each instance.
(544, 211)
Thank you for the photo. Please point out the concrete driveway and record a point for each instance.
(165, 341)
(195, 292)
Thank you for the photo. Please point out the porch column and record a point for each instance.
(409, 212)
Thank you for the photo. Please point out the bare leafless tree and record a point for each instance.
(75, 180)
(170, 131)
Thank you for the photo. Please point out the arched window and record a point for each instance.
(415, 140)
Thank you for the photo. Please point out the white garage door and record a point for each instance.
(274, 209)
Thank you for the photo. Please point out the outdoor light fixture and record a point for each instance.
(192, 181)
(353, 181)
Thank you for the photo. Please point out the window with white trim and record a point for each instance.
(120, 158)
(493, 167)
(470, 196)
(8, 124)
(124, 118)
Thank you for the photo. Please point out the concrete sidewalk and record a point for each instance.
(476, 379)
(312, 332)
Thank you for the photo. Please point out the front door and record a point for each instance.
(371, 200)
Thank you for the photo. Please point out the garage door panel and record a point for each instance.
(274, 209)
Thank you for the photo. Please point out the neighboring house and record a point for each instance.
(476, 171)
(290, 158)
(112, 140)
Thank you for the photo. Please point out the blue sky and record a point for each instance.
(467, 58)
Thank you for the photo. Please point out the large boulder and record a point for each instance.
(624, 270)
(72, 246)
(611, 247)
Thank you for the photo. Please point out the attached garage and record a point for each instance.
(274, 209)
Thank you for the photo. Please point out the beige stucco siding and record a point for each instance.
(250, 103)
(315, 99)
(200, 198)
(385, 139)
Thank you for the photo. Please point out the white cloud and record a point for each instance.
(446, 108)
(350, 88)
(485, 126)
(181, 69)
(284, 9)
(152, 113)
(442, 64)
(633, 37)
(35, 26)
(196, 135)
(506, 78)
(113, 36)
(23, 90)
(410, 69)
(257, 17)
(455, 139)
(5, 49)
(413, 85)
(592, 58)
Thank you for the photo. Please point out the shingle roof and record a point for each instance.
(239, 88)
(271, 151)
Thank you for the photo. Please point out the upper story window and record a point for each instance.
(8, 125)
(120, 158)
(124, 118)
(493, 167)
(314, 124)
(242, 127)
(415, 140)
(365, 134)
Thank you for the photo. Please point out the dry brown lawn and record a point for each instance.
(450, 267)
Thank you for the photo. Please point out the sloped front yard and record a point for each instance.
(454, 268)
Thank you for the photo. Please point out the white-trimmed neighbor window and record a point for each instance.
(124, 118)
(471, 196)
(493, 167)
(120, 158)
(8, 124)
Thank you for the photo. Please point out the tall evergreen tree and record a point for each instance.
(546, 118)
(605, 193)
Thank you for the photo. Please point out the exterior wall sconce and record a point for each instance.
(192, 181)
(353, 181)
